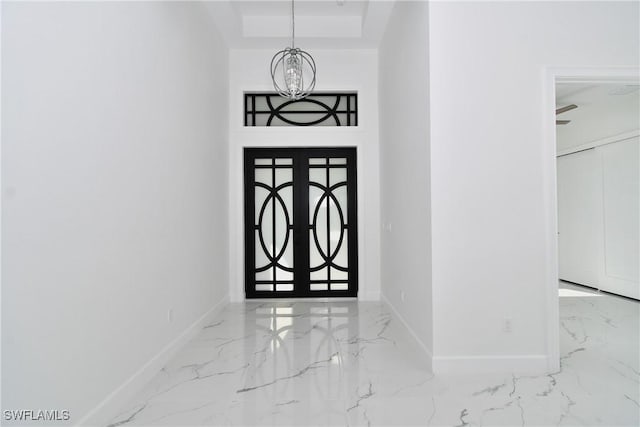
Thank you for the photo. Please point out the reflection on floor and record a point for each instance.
(349, 363)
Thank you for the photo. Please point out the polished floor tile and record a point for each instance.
(351, 363)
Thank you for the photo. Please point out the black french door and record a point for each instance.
(300, 222)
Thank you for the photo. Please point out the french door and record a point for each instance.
(300, 222)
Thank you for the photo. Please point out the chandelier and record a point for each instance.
(290, 66)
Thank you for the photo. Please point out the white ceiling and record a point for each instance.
(589, 96)
(604, 110)
(320, 24)
(302, 7)
(592, 93)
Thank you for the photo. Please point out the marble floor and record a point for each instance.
(352, 363)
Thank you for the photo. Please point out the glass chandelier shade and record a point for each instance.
(292, 67)
(288, 69)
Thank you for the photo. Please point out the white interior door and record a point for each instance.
(621, 217)
(599, 217)
(580, 218)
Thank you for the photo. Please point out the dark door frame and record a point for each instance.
(301, 273)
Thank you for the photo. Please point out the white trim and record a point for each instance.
(550, 189)
(368, 296)
(2, 191)
(552, 75)
(415, 336)
(107, 409)
(619, 76)
(599, 142)
(516, 364)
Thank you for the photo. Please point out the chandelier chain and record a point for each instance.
(293, 25)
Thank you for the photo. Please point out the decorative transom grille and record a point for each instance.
(317, 109)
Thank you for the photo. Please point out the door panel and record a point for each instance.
(300, 222)
(328, 224)
(620, 209)
(598, 209)
(273, 224)
(579, 217)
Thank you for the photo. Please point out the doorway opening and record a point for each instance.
(564, 88)
(300, 222)
(598, 185)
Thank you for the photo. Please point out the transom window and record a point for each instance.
(317, 109)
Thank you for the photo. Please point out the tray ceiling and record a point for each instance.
(323, 24)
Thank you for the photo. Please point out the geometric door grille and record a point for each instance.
(300, 222)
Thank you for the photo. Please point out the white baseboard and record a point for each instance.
(421, 343)
(106, 410)
(369, 296)
(517, 364)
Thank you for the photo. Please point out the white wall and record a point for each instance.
(115, 181)
(403, 70)
(338, 70)
(490, 168)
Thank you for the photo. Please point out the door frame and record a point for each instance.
(553, 75)
(301, 215)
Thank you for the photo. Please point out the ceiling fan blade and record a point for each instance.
(562, 122)
(567, 108)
